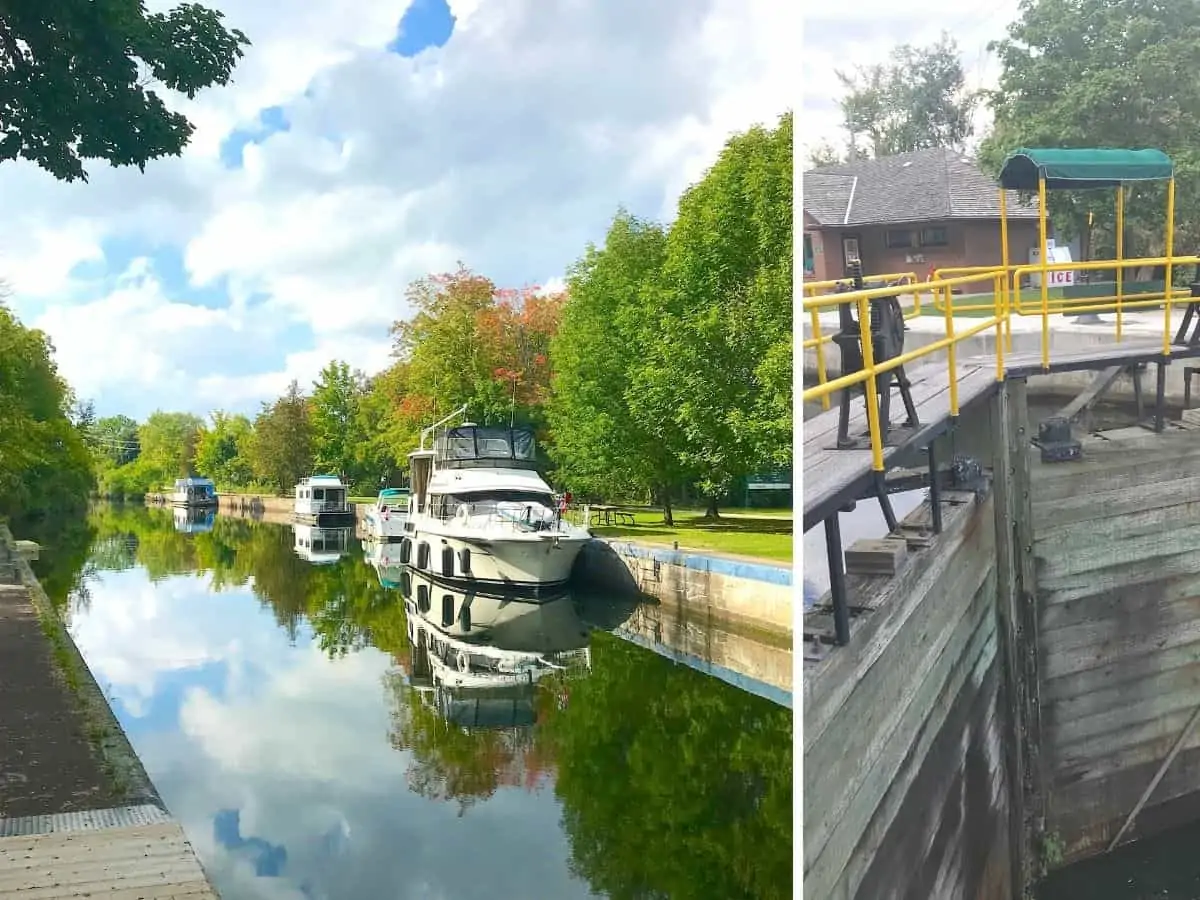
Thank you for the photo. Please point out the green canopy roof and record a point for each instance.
(1076, 169)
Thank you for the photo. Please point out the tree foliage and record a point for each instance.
(282, 448)
(74, 76)
(602, 445)
(168, 445)
(918, 99)
(44, 461)
(1091, 73)
(337, 427)
(717, 378)
(223, 450)
(116, 439)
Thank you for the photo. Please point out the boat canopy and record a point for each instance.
(388, 493)
(182, 483)
(1079, 169)
(485, 445)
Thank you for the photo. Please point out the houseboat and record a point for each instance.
(322, 500)
(320, 546)
(384, 558)
(197, 492)
(384, 519)
(481, 513)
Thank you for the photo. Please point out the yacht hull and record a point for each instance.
(534, 562)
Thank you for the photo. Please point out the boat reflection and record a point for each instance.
(477, 654)
(321, 546)
(384, 557)
(194, 519)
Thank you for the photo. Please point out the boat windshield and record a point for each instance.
(475, 443)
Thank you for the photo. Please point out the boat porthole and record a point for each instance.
(423, 598)
(405, 550)
(464, 560)
(405, 585)
(464, 617)
(422, 555)
(464, 661)
(447, 610)
(447, 560)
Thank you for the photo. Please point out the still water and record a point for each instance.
(298, 725)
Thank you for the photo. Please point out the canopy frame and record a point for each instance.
(1055, 169)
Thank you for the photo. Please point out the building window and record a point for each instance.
(809, 260)
(898, 238)
(934, 237)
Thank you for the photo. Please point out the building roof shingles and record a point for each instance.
(921, 186)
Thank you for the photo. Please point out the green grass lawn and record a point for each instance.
(744, 532)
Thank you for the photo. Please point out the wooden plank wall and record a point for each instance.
(1118, 576)
(904, 779)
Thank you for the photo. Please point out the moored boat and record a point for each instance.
(194, 492)
(322, 500)
(482, 514)
(384, 519)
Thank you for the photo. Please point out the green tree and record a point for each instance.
(44, 463)
(75, 74)
(824, 154)
(116, 439)
(168, 442)
(720, 371)
(918, 99)
(337, 428)
(223, 450)
(1088, 73)
(601, 445)
(282, 448)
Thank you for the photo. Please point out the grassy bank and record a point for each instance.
(743, 532)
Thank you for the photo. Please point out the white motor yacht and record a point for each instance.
(480, 512)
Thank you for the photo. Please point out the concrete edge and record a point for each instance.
(719, 565)
(113, 745)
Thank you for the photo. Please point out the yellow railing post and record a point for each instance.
(1168, 287)
(816, 333)
(998, 312)
(1120, 257)
(951, 355)
(1004, 253)
(868, 354)
(1043, 252)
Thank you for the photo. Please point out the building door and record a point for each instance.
(850, 252)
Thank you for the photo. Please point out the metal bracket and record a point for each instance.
(1055, 441)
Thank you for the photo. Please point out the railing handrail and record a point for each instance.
(1005, 301)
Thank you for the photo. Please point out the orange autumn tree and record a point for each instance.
(468, 341)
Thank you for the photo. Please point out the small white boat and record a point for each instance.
(322, 499)
(482, 514)
(194, 492)
(320, 546)
(384, 558)
(384, 519)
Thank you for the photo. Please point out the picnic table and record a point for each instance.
(609, 515)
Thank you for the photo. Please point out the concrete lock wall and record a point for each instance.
(905, 785)
(744, 593)
(1118, 590)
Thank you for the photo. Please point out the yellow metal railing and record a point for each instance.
(870, 371)
(825, 288)
(1005, 302)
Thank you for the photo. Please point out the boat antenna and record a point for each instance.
(512, 416)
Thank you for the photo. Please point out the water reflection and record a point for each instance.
(193, 520)
(314, 744)
(321, 546)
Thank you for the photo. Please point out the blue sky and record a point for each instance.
(361, 145)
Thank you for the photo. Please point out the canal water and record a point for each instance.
(297, 721)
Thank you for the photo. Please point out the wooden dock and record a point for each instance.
(120, 854)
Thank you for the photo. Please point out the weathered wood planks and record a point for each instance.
(904, 777)
(1119, 633)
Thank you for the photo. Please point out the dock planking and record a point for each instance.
(133, 852)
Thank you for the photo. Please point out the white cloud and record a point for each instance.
(510, 147)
